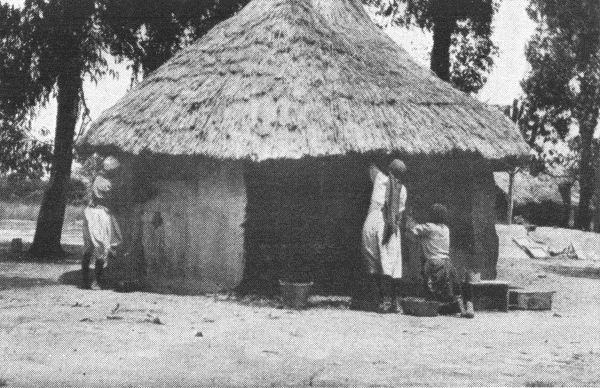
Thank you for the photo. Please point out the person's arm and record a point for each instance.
(410, 223)
(409, 228)
(420, 230)
(403, 197)
(401, 207)
(373, 172)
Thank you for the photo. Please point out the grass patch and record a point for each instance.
(28, 211)
(21, 199)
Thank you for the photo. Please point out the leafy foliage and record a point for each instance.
(471, 48)
(563, 86)
(48, 37)
(150, 32)
(21, 156)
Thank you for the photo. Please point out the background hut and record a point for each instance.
(256, 141)
(544, 199)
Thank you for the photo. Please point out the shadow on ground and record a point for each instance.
(575, 272)
(14, 282)
(72, 278)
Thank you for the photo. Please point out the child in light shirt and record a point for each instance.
(439, 275)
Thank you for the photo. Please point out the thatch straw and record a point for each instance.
(294, 78)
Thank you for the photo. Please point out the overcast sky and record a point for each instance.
(512, 29)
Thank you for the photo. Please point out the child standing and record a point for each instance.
(101, 232)
(381, 236)
(439, 275)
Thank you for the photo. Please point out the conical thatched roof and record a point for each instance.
(294, 78)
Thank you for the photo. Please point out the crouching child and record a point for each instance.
(440, 280)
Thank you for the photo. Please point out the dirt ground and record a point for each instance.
(54, 334)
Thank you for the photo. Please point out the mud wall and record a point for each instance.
(184, 224)
(195, 225)
(304, 219)
(304, 222)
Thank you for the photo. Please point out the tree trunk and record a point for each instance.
(443, 28)
(511, 196)
(586, 170)
(596, 200)
(565, 190)
(46, 242)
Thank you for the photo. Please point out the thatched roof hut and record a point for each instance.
(538, 189)
(270, 121)
(288, 79)
(543, 199)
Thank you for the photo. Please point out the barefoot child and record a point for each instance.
(439, 275)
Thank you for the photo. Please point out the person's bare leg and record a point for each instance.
(467, 293)
(98, 267)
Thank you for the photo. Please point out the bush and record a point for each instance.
(77, 192)
(19, 189)
(16, 188)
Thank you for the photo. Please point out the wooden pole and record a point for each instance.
(511, 195)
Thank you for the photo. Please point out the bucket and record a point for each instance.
(295, 295)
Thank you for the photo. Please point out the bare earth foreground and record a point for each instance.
(53, 334)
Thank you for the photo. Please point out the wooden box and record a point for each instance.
(490, 295)
(530, 299)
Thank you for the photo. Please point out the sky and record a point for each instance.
(512, 30)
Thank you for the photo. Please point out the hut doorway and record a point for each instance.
(303, 223)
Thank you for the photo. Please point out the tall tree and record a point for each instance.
(563, 86)
(50, 46)
(463, 50)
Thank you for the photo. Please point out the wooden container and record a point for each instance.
(295, 295)
(531, 299)
(419, 307)
(490, 295)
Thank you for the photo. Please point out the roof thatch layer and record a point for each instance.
(294, 78)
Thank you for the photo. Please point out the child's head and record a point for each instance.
(110, 166)
(438, 214)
